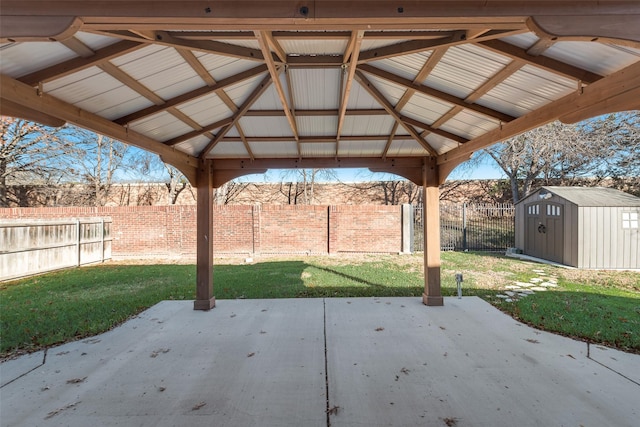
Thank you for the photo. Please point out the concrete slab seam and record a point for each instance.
(44, 360)
(608, 367)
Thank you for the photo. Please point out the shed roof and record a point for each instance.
(326, 84)
(593, 196)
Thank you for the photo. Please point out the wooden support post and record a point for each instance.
(204, 270)
(431, 219)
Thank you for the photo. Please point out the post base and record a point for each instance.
(432, 301)
(205, 304)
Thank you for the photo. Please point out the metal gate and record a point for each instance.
(466, 227)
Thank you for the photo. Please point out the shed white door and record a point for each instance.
(544, 233)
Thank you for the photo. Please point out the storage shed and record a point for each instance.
(582, 227)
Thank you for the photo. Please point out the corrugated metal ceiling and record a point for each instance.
(132, 86)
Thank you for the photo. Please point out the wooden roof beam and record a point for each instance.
(620, 88)
(253, 97)
(351, 54)
(375, 93)
(426, 90)
(448, 39)
(265, 46)
(78, 64)
(494, 81)
(191, 95)
(548, 64)
(424, 72)
(25, 95)
(165, 38)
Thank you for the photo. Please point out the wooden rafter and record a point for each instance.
(620, 88)
(316, 139)
(351, 54)
(164, 38)
(447, 39)
(544, 62)
(253, 97)
(311, 113)
(263, 38)
(365, 83)
(390, 140)
(426, 90)
(22, 94)
(494, 81)
(78, 64)
(424, 72)
(194, 94)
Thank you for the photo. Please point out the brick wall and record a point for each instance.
(170, 231)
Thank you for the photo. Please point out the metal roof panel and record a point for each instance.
(274, 149)
(266, 126)
(220, 67)
(316, 95)
(373, 148)
(367, 125)
(318, 149)
(206, 109)
(317, 125)
(20, 59)
(162, 127)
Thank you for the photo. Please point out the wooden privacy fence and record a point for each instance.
(466, 227)
(37, 246)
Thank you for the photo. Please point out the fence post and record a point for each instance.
(102, 239)
(78, 251)
(407, 229)
(464, 226)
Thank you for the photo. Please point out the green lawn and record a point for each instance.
(600, 307)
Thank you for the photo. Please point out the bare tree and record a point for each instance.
(553, 151)
(227, 193)
(301, 188)
(30, 153)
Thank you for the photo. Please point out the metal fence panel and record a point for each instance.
(477, 227)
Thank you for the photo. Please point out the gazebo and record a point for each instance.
(222, 89)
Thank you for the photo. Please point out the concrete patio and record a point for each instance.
(319, 362)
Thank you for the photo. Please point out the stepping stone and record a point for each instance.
(510, 293)
(502, 296)
(508, 300)
(536, 280)
(539, 288)
(548, 285)
(526, 292)
(538, 271)
(523, 285)
(522, 294)
(512, 287)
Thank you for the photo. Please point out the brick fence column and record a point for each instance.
(332, 229)
(257, 228)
